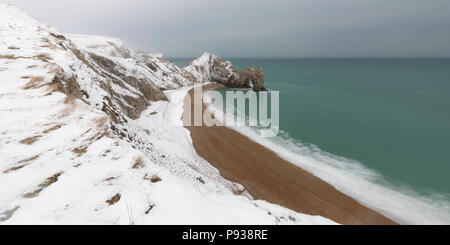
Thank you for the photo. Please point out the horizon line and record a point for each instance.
(324, 57)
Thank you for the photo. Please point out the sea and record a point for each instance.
(378, 129)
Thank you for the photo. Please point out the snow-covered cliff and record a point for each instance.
(91, 133)
(209, 67)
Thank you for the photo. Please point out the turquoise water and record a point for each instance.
(391, 115)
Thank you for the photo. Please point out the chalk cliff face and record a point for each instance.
(210, 68)
(91, 133)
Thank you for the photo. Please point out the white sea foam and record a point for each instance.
(395, 200)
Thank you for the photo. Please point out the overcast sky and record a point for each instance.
(259, 28)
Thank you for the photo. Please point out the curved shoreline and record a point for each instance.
(268, 177)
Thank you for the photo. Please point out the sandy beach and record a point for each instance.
(269, 177)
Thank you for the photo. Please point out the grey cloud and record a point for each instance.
(257, 28)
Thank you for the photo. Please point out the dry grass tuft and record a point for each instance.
(66, 112)
(70, 87)
(50, 88)
(138, 163)
(22, 163)
(32, 66)
(35, 82)
(47, 182)
(153, 178)
(30, 140)
(100, 121)
(8, 56)
(43, 57)
(58, 36)
(113, 199)
(55, 70)
(50, 46)
(49, 130)
(97, 136)
(30, 159)
(14, 168)
(50, 65)
(109, 179)
(80, 150)
(50, 180)
(32, 194)
(13, 47)
(106, 152)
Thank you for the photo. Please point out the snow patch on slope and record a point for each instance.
(101, 45)
(206, 67)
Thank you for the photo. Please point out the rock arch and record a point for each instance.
(254, 75)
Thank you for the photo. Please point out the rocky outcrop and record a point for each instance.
(210, 68)
(256, 75)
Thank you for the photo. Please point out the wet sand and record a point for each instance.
(269, 177)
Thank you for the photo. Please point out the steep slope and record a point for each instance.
(90, 133)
